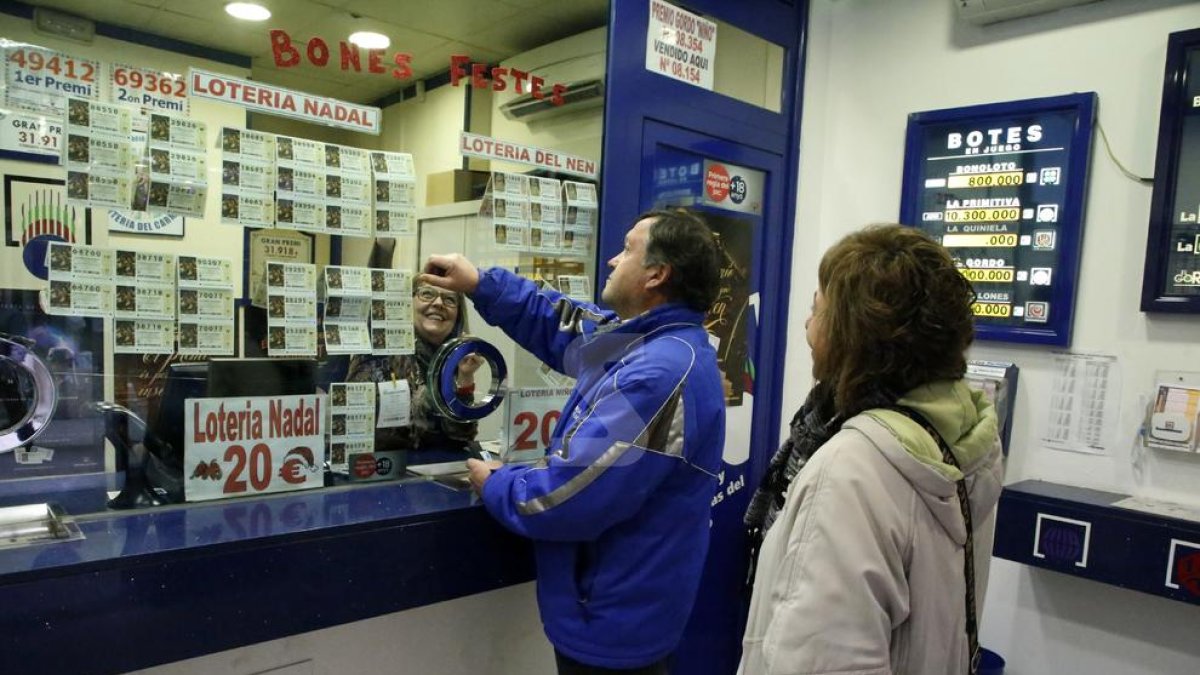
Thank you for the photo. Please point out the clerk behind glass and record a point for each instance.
(437, 317)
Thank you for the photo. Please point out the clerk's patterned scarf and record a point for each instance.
(811, 427)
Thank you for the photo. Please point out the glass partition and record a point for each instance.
(239, 282)
(224, 300)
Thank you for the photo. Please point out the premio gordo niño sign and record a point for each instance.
(252, 445)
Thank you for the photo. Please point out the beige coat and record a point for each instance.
(862, 573)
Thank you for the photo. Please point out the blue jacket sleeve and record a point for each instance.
(612, 459)
(541, 320)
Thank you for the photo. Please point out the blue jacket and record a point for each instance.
(619, 507)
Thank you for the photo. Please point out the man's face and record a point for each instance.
(625, 289)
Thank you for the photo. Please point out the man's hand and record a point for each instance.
(480, 471)
(452, 272)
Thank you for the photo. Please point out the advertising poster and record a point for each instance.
(277, 245)
(36, 213)
(152, 90)
(39, 79)
(31, 133)
(681, 45)
(530, 416)
(139, 380)
(73, 349)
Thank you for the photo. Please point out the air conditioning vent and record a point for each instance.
(580, 95)
(990, 11)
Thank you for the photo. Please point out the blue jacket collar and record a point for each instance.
(662, 315)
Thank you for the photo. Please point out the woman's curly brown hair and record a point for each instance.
(897, 315)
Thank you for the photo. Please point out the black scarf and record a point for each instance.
(811, 427)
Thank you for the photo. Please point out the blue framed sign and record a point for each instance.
(1002, 186)
(1171, 281)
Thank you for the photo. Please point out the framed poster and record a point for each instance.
(36, 212)
(1171, 280)
(276, 244)
(1002, 187)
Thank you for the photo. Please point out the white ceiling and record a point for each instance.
(430, 30)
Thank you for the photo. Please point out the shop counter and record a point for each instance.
(158, 585)
(1103, 536)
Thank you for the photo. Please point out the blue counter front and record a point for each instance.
(156, 586)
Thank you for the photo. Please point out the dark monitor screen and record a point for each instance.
(261, 377)
(220, 378)
(184, 381)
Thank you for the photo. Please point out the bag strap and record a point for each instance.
(969, 547)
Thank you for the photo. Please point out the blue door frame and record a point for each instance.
(644, 109)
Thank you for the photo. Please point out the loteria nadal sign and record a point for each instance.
(317, 52)
(243, 446)
(284, 102)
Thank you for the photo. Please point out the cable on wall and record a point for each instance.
(1144, 180)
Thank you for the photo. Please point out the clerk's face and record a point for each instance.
(434, 314)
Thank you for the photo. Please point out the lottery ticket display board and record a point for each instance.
(1002, 186)
(1171, 282)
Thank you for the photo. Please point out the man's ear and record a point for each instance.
(659, 276)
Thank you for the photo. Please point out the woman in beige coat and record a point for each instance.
(861, 567)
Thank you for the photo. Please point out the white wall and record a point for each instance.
(429, 128)
(870, 63)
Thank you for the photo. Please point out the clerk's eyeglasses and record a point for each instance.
(427, 295)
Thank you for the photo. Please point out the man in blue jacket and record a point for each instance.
(619, 507)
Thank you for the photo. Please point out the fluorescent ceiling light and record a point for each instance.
(247, 11)
(370, 39)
